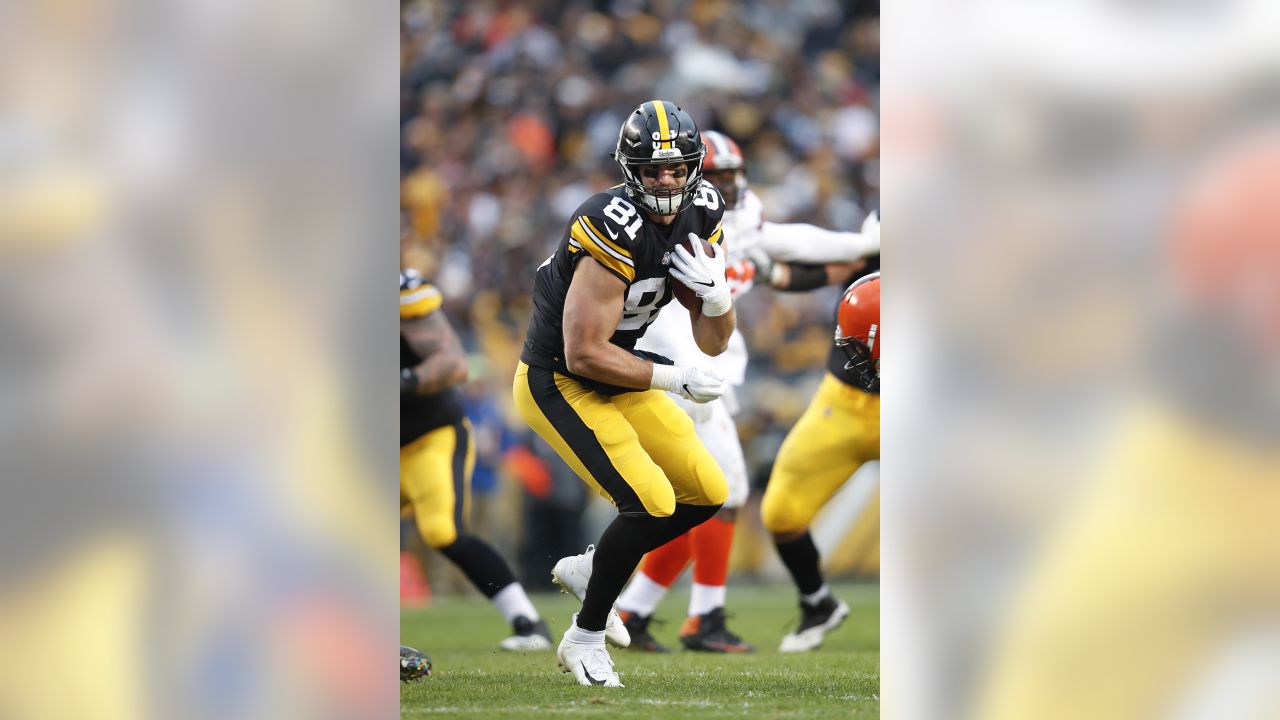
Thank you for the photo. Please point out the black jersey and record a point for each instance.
(420, 414)
(617, 234)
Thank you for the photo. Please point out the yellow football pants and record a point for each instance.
(638, 449)
(435, 481)
(838, 432)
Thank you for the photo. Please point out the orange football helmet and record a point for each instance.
(858, 331)
(725, 168)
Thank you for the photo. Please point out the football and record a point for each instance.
(687, 297)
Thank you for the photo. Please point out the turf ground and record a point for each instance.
(472, 678)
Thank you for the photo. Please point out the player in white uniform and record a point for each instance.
(788, 257)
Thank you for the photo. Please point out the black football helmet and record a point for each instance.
(414, 665)
(660, 133)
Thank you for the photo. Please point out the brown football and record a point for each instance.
(687, 297)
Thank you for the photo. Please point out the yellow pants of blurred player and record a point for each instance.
(838, 432)
(1167, 567)
(435, 481)
(638, 449)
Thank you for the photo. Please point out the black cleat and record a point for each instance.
(815, 622)
(708, 633)
(638, 626)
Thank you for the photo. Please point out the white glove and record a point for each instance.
(871, 230)
(704, 275)
(765, 266)
(700, 385)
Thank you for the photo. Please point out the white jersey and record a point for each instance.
(745, 230)
(743, 226)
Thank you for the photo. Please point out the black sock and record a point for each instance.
(620, 549)
(482, 565)
(801, 558)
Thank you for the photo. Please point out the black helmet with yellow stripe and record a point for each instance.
(660, 133)
(417, 296)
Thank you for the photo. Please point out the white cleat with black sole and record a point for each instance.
(589, 662)
(572, 574)
(816, 622)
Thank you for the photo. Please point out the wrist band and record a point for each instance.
(665, 377)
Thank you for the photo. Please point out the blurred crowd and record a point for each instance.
(509, 113)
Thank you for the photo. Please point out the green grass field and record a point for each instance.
(473, 678)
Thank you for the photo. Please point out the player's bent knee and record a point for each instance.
(713, 486)
(717, 492)
(661, 504)
(438, 535)
(780, 516)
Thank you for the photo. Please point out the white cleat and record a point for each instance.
(525, 643)
(589, 662)
(572, 575)
(529, 635)
(816, 623)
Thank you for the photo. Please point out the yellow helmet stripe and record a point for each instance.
(664, 131)
(419, 301)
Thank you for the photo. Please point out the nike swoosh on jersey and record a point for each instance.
(609, 229)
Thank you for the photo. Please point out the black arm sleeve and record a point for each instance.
(805, 277)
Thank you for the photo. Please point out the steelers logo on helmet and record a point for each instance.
(858, 331)
(660, 133)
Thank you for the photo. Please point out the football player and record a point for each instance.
(603, 405)
(437, 456)
(838, 432)
(754, 247)
(1155, 593)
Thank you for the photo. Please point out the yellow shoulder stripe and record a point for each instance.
(609, 248)
(419, 301)
(717, 235)
(621, 267)
(601, 236)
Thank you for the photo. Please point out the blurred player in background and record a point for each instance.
(1183, 622)
(603, 405)
(839, 431)
(437, 455)
(818, 257)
